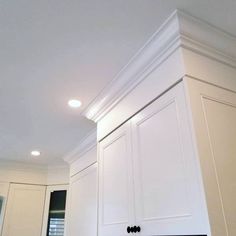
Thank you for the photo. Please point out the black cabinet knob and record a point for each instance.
(132, 229)
(138, 229)
(128, 229)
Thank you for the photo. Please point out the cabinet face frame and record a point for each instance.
(116, 226)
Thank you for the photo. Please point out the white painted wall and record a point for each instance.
(11, 172)
(22, 173)
(58, 175)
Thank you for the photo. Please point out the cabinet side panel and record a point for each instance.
(221, 122)
(214, 119)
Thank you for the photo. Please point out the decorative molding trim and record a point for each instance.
(202, 34)
(87, 144)
(180, 30)
(129, 76)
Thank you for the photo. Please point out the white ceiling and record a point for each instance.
(54, 50)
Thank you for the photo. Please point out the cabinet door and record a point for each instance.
(82, 210)
(24, 211)
(166, 181)
(115, 183)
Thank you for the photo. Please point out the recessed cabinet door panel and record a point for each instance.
(24, 211)
(166, 202)
(115, 183)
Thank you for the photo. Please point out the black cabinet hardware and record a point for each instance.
(133, 229)
(128, 229)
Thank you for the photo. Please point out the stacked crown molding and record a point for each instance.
(84, 155)
(180, 32)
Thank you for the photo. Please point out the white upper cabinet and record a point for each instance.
(82, 209)
(149, 163)
(170, 168)
(167, 195)
(115, 183)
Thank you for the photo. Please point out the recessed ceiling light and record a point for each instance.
(74, 103)
(35, 153)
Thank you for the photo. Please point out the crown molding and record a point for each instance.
(203, 38)
(180, 30)
(89, 142)
(130, 75)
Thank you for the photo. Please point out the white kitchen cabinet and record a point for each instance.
(168, 120)
(148, 174)
(24, 210)
(82, 209)
(167, 190)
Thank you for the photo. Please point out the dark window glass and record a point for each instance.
(56, 219)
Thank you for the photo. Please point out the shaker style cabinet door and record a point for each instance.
(166, 184)
(115, 183)
(24, 210)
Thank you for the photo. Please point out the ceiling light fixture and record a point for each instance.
(35, 153)
(74, 103)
